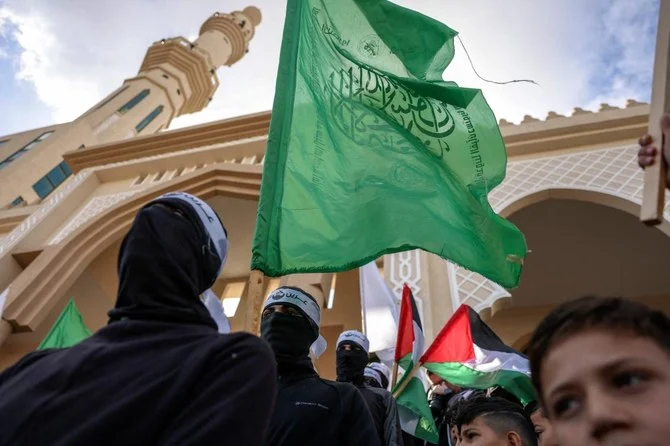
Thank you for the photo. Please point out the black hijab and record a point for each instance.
(174, 252)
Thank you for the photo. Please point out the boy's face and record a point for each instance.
(478, 433)
(606, 388)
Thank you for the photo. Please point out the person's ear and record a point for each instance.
(514, 439)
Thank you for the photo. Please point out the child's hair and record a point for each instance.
(500, 415)
(609, 313)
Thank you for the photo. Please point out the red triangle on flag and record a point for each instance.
(405, 340)
(454, 342)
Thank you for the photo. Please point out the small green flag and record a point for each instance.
(415, 416)
(371, 152)
(68, 330)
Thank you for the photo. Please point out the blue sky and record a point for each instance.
(58, 58)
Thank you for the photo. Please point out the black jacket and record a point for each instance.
(159, 373)
(311, 411)
(384, 412)
(141, 383)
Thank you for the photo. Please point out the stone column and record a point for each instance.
(428, 277)
(5, 331)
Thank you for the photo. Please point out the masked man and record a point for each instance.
(310, 411)
(352, 357)
(158, 373)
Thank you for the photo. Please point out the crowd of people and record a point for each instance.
(161, 372)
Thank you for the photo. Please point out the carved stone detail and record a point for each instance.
(610, 171)
(42, 211)
(93, 208)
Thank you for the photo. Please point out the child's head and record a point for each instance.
(601, 367)
(494, 421)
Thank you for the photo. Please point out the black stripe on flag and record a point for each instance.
(485, 338)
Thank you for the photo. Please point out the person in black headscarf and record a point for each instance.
(352, 357)
(310, 411)
(158, 373)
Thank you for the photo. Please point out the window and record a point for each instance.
(231, 297)
(25, 149)
(44, 136)
(52, 180)
(63, 165)
(111, 98)
(134, 101)
(150, 117)
(18, 201)
(43, 188)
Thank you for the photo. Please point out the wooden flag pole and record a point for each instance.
(406, 379)
(254, 304)
(653, 196)
(394, 374)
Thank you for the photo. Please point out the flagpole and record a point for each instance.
(254, 303)
(407, 379)
(360, 291)
(394, 374)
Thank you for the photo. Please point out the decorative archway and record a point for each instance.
(608, 176)
(58, 266)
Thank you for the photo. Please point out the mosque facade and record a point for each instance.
(572, 186)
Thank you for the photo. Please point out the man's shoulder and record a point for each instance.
(241, 345)
(27, 361)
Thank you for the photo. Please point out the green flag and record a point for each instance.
(68, 330)
(370, 152)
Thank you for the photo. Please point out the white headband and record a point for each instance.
(356, 337)
(308, 307)
(209, 220)
(381, 368)
(294, 297)
(213, 305)
(374, 374)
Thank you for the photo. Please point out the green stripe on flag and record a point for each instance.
(459, 374)
(415, 415)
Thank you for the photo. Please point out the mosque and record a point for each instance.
(69, 193)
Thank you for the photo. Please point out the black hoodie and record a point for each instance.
(159, 373)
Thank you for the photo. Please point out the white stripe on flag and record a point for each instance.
(3, 298)
(490, 361)
(380, 312)
(418, 346)
(408, 420)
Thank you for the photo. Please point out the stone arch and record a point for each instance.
(608, 177)
(59, 265)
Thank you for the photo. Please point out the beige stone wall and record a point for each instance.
(122, 172)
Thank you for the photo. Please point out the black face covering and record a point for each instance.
(351, 365)
(165, 263)
(289, 336)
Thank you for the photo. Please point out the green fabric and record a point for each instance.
(370, 152)
(517, 383)
(68, 330)
(406, 362)
(414, 412)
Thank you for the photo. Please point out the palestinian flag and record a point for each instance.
(413, 410)
(467, 353)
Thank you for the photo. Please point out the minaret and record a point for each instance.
(176, 77)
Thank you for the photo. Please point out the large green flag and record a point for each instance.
(371, 152)
(68, 330)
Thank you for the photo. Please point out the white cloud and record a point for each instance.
(74, 53)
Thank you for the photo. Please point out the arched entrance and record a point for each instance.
(579, 247)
